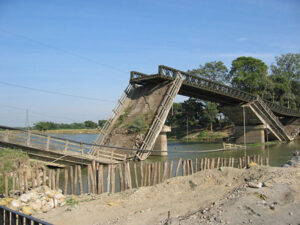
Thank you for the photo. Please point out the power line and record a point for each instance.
(36, 113)
(55, 92)
(60, 49)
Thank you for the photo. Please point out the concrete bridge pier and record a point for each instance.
(254, 134)
(161, 142)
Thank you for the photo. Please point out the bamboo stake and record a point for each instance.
(155, 173)
(149, 174)
(32, 179)
(152, 173)
(141, 174)
(44, 176)
(13, 183)
(49, 179)
(145, 177)
(135, 176)
(165, 171)
(192, 166)
(108, 179)
(196, 165)
(72, 180)
(171, 169)
(208, 163)
(75, 179)
(66, 182)
(57, 179)
(201, 164)
(218, 162)
(113, 179)
(183, 168)
(102, 177)
(53, 180)
(178, 166)
(129, 176)
(88, 178)
(38, 180)
(80, 179)
(5, 184)
(121, 178)
(125, 177)
(188, 166)
(213, 163)
(205, 163)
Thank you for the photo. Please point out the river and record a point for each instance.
(279, 153)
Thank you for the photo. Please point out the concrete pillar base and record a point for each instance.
(254, 134)
(161, 142)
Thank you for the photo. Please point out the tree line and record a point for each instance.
(46, 125)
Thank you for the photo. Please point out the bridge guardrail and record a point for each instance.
(196, 81)
(9, 216)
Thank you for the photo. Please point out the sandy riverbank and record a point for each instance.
(218, 196)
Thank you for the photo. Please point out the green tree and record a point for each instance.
(286, 79)
(90, 124)
(101, 123)
(216, 71)
(249, 74)
(211, 112)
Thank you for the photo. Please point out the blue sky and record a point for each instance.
(88, 48)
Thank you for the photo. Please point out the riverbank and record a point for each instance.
(217, 196)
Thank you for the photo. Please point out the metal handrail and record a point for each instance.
(9, 216)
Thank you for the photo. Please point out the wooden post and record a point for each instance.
(57, 178)
(212, 163)
(38, 180)
(20, 182)
(94, 175)
(191, 166)
(145, 177)
(171, 169)
(205, 163)
(178, 166)
(129, 176)
(13, 183)
(208, 163)
(218, 162)
(135, 176)
(149, 174)
(108, 179)
(159, 172)
(201, 164)
(155, 173)
(113, 179)
(75, 179)
(49, 179)
(152, 173)
(232, 162)
(53, 180)
(66, 182)
(44, 176)
(5, 184)
(121, 178)
(188, 166)
(142, 174)
(101, 178)
(32, 179)
(80, 179)
(165, 171)
(183, 167)
(72, 180)
(196, 165)
(125, 177)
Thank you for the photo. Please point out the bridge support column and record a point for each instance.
(254, 134)
(161, 142)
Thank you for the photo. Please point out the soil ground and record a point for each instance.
(217, 196)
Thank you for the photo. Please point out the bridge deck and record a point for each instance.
(54, 149)
(199, 87)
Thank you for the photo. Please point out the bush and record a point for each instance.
(137, 126)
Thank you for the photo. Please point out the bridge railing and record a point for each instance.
(9, 216)
(54, 144)
(196, 81)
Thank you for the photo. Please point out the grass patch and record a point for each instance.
(139, 125)
(122, 119)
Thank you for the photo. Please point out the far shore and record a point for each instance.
(70, 131)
